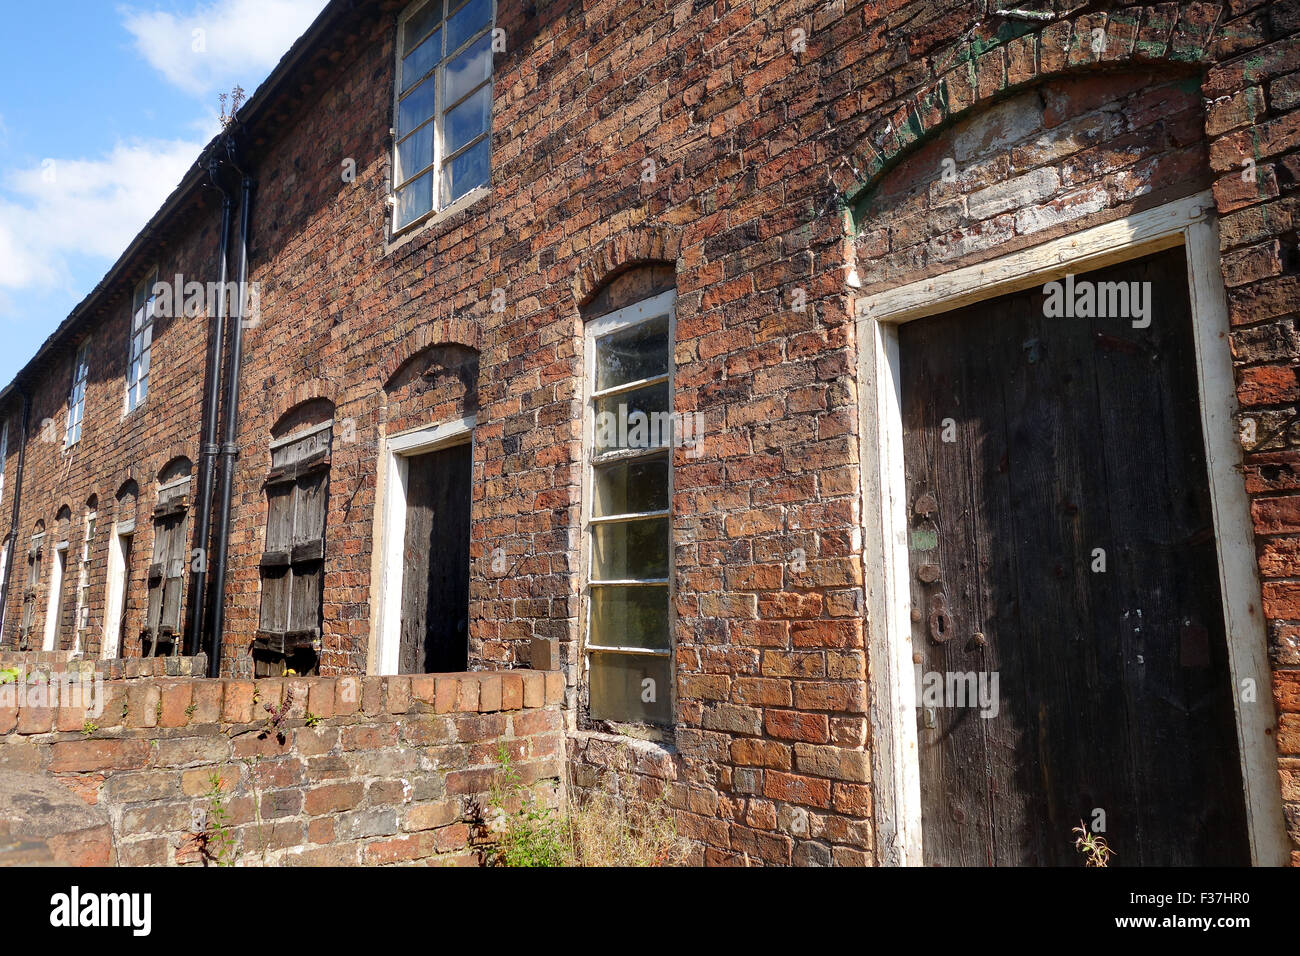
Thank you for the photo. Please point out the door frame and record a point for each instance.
(1192, 224)
(399, 449)
(54, 600)
(115, 591)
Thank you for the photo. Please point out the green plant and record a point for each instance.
(10, 675)
(528, 833)
(189, 711)
(1094, 848)
(251, 763)
(601, 830)
(215, 840)
(277, 716)
(89, 727)
(312, 719)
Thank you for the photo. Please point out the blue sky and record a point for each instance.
(102, 110)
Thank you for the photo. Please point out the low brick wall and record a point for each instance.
(354, 770)
(63, 662)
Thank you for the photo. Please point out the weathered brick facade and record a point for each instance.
(770, 161)
(343, 771)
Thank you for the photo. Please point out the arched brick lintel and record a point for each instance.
(438, 332)
(1022, 56)
(620, 252)
(303, 392)
(187, 450)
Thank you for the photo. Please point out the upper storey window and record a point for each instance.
(444, 105)
(77, 397)
(138, 362)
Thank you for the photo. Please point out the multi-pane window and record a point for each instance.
(167, 569)
(629, 448)
(77, 397)
(83, 580)
(4, 455)
(138, 363)
(444, 105)
(293, 565)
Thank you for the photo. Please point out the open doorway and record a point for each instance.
(425, 623)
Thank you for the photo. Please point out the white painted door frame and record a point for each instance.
(397, 454)
(1190, 223)
(53, 602)
(115, 594)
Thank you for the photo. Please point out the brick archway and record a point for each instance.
(438, 332)
(316, 388)
(1022, 55)
(652, 243)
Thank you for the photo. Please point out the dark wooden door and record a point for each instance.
(1061, 538)
(435, 575)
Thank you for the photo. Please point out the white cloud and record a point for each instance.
(62, 210)
(222, 42)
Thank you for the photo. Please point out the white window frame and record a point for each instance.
(137, 391)
(1190, 223)
(617, 321)
(4, 457)
(439, 159)
(77, 395)
(397, 454)
(80, 621)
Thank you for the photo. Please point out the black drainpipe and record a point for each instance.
(12, 543)
(229, 449)
(209, 444)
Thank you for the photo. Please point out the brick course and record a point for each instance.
(395, 781)
(763, 152)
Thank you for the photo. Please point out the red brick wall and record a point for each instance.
(757, 147)
(115, 447)
(369, 770)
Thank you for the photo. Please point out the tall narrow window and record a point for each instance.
(167, 569)
(138, 362)
(293, 565)
(629, 448)
(444, 105)
(4, 456)
(77, 397)
(83, 579)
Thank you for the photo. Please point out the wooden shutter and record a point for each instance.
(153, 617)
(293, 563)
(29, 592)
(308, 552)
(275, 559)
(173, 574)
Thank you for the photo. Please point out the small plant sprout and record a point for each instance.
(1093, 848)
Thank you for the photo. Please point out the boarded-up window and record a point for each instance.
(35, 557)
(167, 568)
(293, 564)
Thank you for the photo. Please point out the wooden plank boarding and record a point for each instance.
(1029, 442)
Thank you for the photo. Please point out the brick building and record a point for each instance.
(486, 247)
